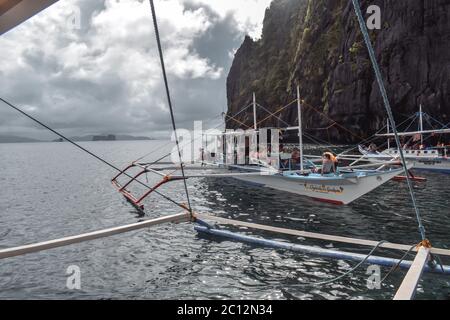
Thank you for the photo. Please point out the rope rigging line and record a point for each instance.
(374, 137)
(395, 267)
(387, 105)
(271, 114)
(444, 126)
(188, 142)
(238, 121)
(334, 122)
(155, 150)
(182, 146)
(412, 122)
(242, 110)
(328, 282)
(277, 111)
(169, 100)
(274, 115)
(86, 151)
(233, 117)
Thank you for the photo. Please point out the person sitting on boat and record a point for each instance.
(202, 155)
(372, 147)
(284, 163)
(295, 157)
(329, 161)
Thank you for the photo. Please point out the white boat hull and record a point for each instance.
(421, 160)
(441, 165)
(336, 191)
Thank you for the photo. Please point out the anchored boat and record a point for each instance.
(424, 158)
(249, 157)
(425, 259)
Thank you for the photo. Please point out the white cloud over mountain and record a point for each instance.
(105, 75)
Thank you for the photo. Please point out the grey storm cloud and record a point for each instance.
(105, 77)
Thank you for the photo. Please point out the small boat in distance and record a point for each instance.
(423, 156)
(262, 164)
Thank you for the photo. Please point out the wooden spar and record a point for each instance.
(32, 248)
(421, 125)
(255, 124)
(412, 133)
(408, 287)
(388, 132)
(319, 236)
(145, 165)
(300, 129)
(328, 253)
(357, 159)
(367, 166)
(354, 162)
(226, 175)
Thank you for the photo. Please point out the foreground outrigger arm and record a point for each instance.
(137, 201)
(166, 178)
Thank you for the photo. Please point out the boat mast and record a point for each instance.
(255, 125)
(421, 125)
(389, 132)
(300, 130)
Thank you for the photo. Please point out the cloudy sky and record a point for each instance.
(91, 66)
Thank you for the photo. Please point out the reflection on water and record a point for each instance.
(52, 190)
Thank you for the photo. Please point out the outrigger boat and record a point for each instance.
(426, 259)
(435, 158)
(343, 187)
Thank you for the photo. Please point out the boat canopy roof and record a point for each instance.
(15, 12)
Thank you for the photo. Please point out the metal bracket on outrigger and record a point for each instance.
(137, 201)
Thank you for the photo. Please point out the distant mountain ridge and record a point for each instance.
(118, 138)
(17, 139)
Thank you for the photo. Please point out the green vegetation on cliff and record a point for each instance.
(317, 44)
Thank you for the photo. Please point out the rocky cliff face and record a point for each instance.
(318, 45)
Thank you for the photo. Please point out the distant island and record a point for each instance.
(105, 137)
(17, 139)
(110, 137)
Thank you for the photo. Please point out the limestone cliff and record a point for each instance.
(318, 44)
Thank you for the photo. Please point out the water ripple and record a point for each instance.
(68, 193)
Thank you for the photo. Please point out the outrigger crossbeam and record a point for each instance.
(137, 201)
(63, 242)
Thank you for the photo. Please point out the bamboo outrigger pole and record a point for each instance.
(41, 246)
(317, 236)
(317, 251)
